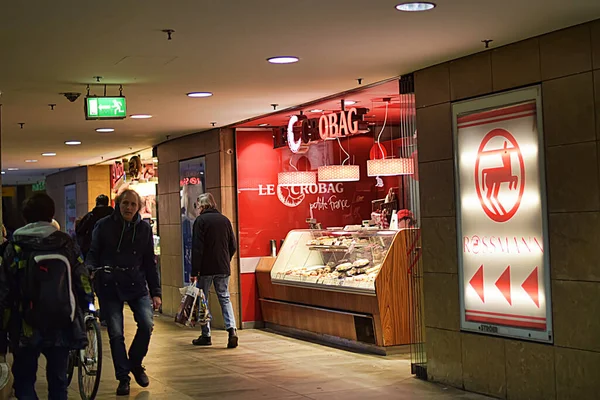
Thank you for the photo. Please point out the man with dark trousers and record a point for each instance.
(213, 247)
(122, 254)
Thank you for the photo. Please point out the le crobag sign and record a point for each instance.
(502, 226)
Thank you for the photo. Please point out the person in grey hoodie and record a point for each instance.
(28, 336)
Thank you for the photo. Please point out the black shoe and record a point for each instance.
(124, 388)
(202, 341)
(139, 373)
(232, 343)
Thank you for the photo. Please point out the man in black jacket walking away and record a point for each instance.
(213, 247)
(85, 227)
(124, 243)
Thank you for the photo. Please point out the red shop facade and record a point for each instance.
(322, 173)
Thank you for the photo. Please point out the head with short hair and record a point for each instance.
(206, 201)
(102, 201)
(38, 208)
(129, 203)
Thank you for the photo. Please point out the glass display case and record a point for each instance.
(340, 260)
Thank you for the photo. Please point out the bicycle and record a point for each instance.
(88, 360)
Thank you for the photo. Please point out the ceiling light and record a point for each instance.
(3, 172)
(48, 154)
(390, 167)
(339, 173)
(13, 169)
(72, 142)
(415, 6)
(105, 130)
(296, 178)
(316, 110)
(199, 94)
(263, 125)
(349, 102)
(30, 161)
(140, 116)
(283, 60)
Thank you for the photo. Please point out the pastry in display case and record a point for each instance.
(333, 259)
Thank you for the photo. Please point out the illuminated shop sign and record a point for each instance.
(302, 130)
(502, 225)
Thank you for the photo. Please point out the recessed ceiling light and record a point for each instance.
(72, 142)
(48, 154)
(349, 102)
(415, 6)
(316, 110)
(199, 94)
(105, 130)
(140, 116)
(30, 161)
(13, 169)
(263, 125)
(283, 60)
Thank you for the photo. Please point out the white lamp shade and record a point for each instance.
(390, 167)
(339, 173)
(296, 178)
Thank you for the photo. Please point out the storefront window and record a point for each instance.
(191, 184)
(70, 208)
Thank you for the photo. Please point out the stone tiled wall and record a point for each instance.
(90, 181)
(567, 64)
(55, 187)
(218, 147)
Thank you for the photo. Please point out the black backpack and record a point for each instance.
(49, 301)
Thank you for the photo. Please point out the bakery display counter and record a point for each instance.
(333, 259)
(344, 286)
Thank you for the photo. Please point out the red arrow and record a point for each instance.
(531, 286)
(503, 284)
(477, 283)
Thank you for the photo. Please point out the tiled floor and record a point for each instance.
(265, 366)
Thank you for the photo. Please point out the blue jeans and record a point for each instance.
(25, 367)
(112, 308)
(221, 283)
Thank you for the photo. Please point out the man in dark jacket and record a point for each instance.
(85, 227)
(125, 244)
(28, 339)
(213, 247)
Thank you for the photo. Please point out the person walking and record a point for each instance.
(122, 252)
(213, 247)
(85, 227)
(44, 292)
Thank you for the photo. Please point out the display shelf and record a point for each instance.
(305, 259)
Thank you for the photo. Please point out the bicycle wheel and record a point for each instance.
(71, 366)
(90, 365)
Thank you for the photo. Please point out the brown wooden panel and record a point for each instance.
(309, 319)
(393, 290)
(359, 303)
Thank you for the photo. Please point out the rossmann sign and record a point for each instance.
(501, 216)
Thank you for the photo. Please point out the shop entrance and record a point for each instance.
(337, 180)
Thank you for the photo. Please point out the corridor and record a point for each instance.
(265, 366)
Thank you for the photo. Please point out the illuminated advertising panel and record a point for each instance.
(501, 216)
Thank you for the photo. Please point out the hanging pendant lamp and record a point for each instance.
(389, 166)
(340, 173)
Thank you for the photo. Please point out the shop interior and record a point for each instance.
(329, 218)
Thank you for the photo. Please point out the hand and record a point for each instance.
(156, 302)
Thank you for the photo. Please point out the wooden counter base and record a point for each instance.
(382, 320)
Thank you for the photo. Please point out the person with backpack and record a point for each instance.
(44, 292)
(85, 227)
(122, 253)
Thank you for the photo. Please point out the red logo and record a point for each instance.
(500, 175)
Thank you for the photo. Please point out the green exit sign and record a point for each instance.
(105, 108)
(39, 186)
